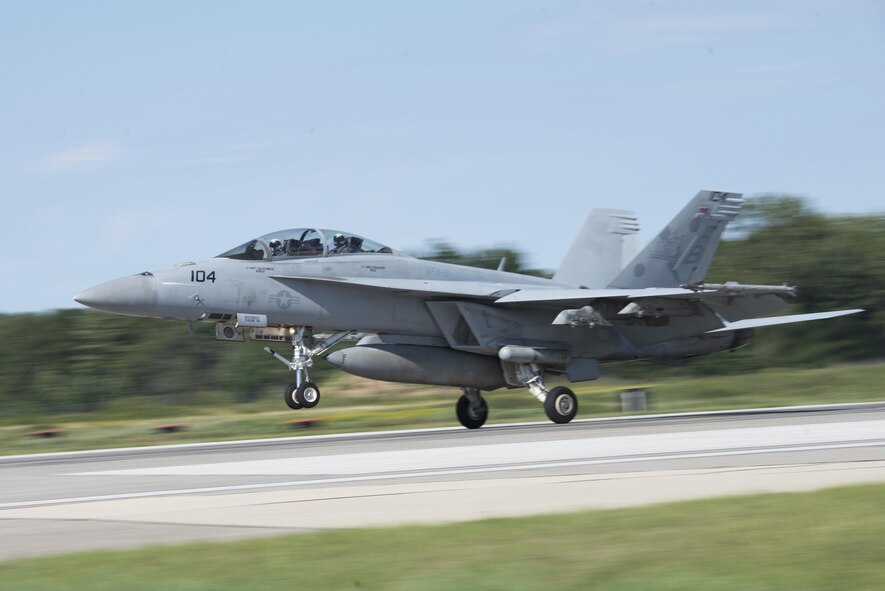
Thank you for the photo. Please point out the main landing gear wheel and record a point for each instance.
(289, 397)
(472, 411)
(307, 395)
(561, 405)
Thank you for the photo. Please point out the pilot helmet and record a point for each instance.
(275, 244)
(339, 239)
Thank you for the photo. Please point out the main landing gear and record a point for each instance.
(560, 403)
(303, 393)
(472, 409)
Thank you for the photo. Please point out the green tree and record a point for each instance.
(484, 258)
(836, 262)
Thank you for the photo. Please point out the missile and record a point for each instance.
(420, 364)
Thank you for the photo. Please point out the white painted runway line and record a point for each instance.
(446, 462)
(432, 430)
(142, 497)
(456, 500)
(424, 474)
(743, 440)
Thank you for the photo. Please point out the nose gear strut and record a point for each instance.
(303, 393)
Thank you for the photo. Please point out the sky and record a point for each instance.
(137, 135)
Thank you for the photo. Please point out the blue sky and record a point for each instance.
(136, 135)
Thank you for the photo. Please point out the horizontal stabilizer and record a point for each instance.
(773, 321)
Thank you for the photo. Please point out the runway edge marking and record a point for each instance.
(429, 473)
(379, 434)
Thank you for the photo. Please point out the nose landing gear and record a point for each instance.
(303, 393)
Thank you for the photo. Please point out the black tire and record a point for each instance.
(289, 397)
(561, 405)
(472, 416)
(307, 395)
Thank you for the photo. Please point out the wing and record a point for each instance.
(588, 296)
(732, 303)
(502, 293)
(426, 287)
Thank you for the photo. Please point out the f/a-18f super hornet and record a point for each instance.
(477, 329)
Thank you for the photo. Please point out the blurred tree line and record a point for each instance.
(81, 360)
(486, 258)
(836, 262)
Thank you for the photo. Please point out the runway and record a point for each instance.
(54, 503)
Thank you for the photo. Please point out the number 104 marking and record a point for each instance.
(201, 277)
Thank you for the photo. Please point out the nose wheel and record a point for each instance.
(307, 395)
(289, 397)
(303, 393)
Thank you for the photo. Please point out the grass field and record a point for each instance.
(352, 404)
(833, 539)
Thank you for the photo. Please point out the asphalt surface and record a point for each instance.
(56, 503)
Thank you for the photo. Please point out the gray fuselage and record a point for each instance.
(324, 292)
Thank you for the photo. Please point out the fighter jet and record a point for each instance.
(428, 322)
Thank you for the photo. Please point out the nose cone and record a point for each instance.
(135, 295)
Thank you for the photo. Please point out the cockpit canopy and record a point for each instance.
(304, 242)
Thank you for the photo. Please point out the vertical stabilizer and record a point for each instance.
(683, 251)
(598, 252)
